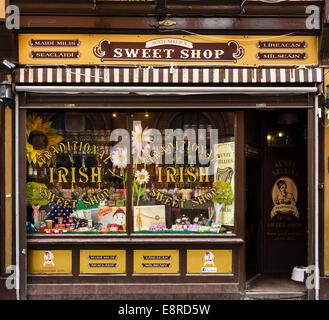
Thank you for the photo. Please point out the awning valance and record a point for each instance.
(166, 75)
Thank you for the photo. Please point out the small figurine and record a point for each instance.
(201, 220)
(185, 220)
(119, 220)
(178, 221)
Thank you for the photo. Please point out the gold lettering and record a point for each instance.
(171, 176)
(74, 145)
(67, 203)
(201, 199)
(96, 175)
(181, 174)
(107, 159)
(159, 174)
(201, 174)
(159, 196)
(51, 174)
(101, 155)
(86, 148)
(62, 173)
(74, 204)
(93, 200)
(182, 203)
(167, 201)
(73, 174)
(190, 172)
(153, 193)
(59, 201)
(41, 159)
(47, 155)
(106, 192)
(61, 147)
(174, 203)
(54, 150)
(83, 174)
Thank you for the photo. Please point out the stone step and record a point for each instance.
(252, 295)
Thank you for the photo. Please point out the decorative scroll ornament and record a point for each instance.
(239, 52)
(101, 49)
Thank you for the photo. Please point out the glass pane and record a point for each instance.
(183, 172)
(72, 184)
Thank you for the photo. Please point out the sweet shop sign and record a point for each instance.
(109, 49)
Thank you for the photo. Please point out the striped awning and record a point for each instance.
(164, 75)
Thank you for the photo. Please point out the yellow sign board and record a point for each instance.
(156, 261)
(102, 261)
(124, 49)
(49, 261)
(2, 9)
(209, 261)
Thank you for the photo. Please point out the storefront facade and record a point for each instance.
(163, 165)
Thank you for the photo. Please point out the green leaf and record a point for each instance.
(35, 194)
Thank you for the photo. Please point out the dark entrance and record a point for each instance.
(276, 192)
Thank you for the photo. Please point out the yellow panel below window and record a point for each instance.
(156, 261)
(102, 261)
(209, 261)
(49, 261)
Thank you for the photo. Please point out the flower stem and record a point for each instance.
(115, 175)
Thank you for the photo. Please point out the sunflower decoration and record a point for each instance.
(39, 137)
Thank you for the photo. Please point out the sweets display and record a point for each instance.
(99, 218)
(109, 217)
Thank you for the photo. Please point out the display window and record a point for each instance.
(163, 172)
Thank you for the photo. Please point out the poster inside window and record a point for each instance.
(181, 169)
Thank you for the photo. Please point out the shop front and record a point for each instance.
(163, 166)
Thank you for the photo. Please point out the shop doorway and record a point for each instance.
(276, 199)
(253, 219)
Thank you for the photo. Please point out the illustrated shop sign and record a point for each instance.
(168, 49)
